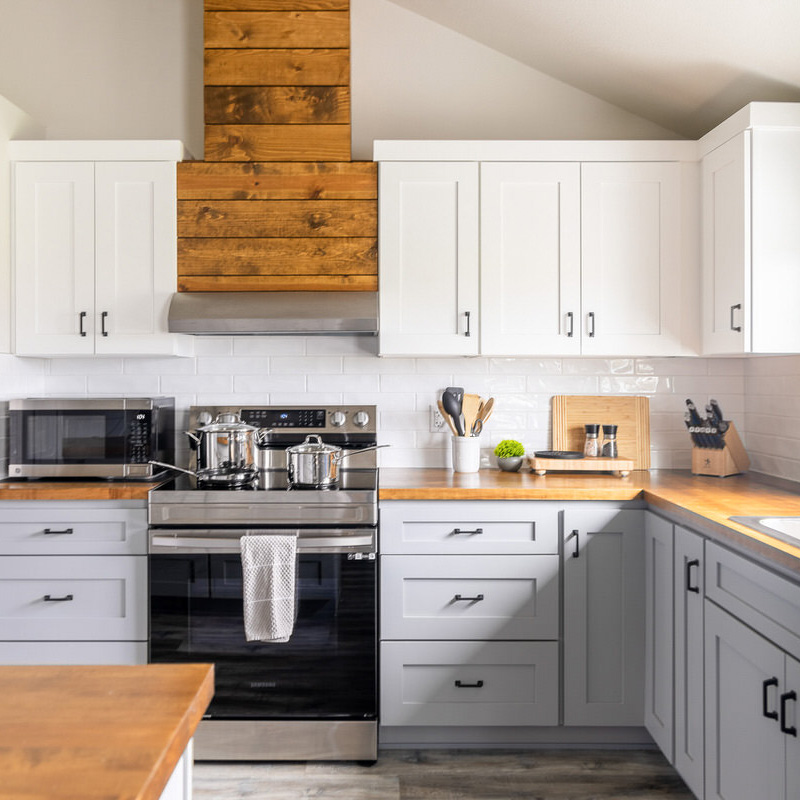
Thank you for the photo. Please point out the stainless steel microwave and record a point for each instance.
(90, 437)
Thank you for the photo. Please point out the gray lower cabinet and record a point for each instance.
(73, 582)
(603, 615)
(689, 744)
(469, 614)
(659, 643)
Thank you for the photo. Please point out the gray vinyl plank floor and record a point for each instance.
(452, 775)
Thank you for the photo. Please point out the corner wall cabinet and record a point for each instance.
(95, 248)
(576, 257)
(751, 239)
(73, 582)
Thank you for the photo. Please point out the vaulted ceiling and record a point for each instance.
(683, 64)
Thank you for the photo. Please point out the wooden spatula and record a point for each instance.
(469, 408)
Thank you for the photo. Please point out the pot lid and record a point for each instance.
(309, 446)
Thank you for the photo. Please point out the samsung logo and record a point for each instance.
(263, 684)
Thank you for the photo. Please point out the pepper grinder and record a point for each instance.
(591, 447)
(610, 441)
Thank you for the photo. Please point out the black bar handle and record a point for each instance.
(476, 599)
(733, 308)
(48, 598)
(575, 535)
(765, 698)
(695, 562)
(785, 698)
(103, 330)
(459, 532)
(462, 685)
(591, 324)
(51, 532)
(81, 318)
(571, 320)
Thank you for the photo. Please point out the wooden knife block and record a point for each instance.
(730, 460)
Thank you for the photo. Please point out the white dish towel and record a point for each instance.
(269, 573)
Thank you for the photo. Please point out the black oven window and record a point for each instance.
(326, 669)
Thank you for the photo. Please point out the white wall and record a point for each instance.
(106, 69)
(297, 369)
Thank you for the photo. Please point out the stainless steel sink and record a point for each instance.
(786, 529)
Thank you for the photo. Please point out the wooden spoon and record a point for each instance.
(447, 418)
(486, 409)
(469, 408)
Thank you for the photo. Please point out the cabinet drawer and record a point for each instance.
(73, 531)
(104, 597)
(481, 527)
(469, 597)
(73, 653)
(469, 683)
(765, 601)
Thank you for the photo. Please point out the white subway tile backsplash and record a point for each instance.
(84, 366)
(526, 366)
(342, 346)
(267, 384)
(633, 384)
(239, 365)
(564, 384)
(213, 346)
(374, 365)
(160, 366)
(269, 345)
(123, 385)
(598, 366)
(450, 366)
(195, 384)
(413, 383)
(343, 383)
(309, 365)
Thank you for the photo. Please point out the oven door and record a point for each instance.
(327, 669)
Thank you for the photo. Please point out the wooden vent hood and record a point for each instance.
(277, 205)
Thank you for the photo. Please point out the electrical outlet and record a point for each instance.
(438, 425)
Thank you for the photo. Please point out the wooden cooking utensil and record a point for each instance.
(447, 418)
(469, 408)
(486, 409)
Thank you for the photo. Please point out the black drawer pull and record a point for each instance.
(695, 562)
(476, 599)
(765, 698)
(462, 685)
(577, 537)
(785, 698)
(48, 598)
(459, 532)
(51, 532)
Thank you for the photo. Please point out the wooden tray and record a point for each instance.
(631, 414)
(620, 466)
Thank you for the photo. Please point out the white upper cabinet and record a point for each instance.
(530, 258)
(631, 270)
(428, 259)
(575, 257)
(751, 239)
(95, 254)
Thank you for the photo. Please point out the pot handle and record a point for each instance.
(193, 437)
(172, 466)
(262, 434)
(340, 456)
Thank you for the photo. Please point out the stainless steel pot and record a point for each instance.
(314, 464)
(226, 445)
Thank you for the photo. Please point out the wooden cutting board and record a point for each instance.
(630, 413)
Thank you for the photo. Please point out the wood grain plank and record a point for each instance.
(282, 218)
(289, 180)
(278, 256)
(284, 105)
(297, 67)
(276, 29)
(280, 283)
(276, 5)
(75, 490)
(277, 143)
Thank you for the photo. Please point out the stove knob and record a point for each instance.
(360, 419)
(338, 418)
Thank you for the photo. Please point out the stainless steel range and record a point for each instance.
(314, 696)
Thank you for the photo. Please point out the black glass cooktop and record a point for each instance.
(276, 481)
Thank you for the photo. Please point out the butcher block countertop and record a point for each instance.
(91, 732)
(700, 502)
(75, 490)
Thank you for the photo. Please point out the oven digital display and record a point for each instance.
(285, 418)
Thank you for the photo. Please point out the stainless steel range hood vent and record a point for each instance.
(274, 313)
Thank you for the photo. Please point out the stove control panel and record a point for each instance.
(284, 418)
(338, 419)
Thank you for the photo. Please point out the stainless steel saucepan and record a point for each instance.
(226, 444)
(314, 464)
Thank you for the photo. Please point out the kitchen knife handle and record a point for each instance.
(462, 685)
(475, 532)
(785, 698)
(591, 324)
(81, 318)
(467, 332)
(765, 698)
(737, 328)
(695, 562)
(103, 330)
(571, 321)
(576, 535)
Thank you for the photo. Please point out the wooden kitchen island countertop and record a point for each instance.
(91, 732)
(700, 502)
(75, 490)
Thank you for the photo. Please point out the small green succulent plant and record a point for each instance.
(509, 448)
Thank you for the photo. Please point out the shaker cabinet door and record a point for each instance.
(54, 258)
(530, 258)
(428, 258)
